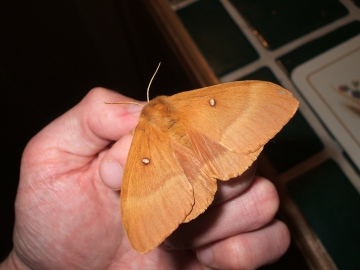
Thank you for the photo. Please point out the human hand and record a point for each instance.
(68, 217)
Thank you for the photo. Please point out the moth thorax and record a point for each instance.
(157, 109)
(145, 161)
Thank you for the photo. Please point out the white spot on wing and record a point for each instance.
(146, 161)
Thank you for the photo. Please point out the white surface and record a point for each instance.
(319, 79)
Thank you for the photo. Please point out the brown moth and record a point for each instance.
(186, 142)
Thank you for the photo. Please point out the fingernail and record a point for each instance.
(111, 174)
(132, 108)
(206, 256)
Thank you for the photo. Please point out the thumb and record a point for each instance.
(84, 131)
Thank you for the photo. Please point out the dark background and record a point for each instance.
(52, 53)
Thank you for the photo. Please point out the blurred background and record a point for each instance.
(53, 53)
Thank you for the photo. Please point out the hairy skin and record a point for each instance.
(68, 217)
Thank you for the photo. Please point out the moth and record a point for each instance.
(183, 144)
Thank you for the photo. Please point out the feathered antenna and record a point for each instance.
(147, 92)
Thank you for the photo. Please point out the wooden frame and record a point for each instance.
(181, 43)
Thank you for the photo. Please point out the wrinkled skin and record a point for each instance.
(68, 214)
